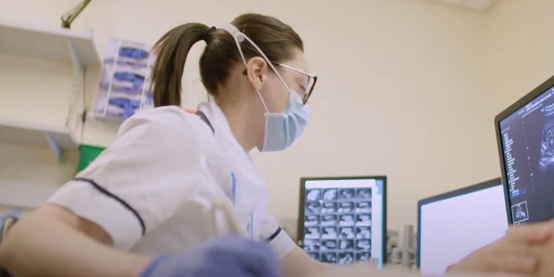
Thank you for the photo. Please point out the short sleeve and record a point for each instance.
(140, 180)
(277, 238)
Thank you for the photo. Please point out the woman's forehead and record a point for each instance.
(299, 61)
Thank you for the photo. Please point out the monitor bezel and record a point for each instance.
(300, 231)
(548, 84)
(448, 195)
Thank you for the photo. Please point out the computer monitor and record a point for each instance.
(525, 134)
(454, 224)
(343, 220)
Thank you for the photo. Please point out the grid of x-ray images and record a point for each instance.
(337, 225)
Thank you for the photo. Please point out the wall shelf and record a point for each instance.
(56, 44)
(49, 43)
(59, 138)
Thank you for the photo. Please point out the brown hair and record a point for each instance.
(276, 39)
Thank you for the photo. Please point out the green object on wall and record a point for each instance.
(88, 154)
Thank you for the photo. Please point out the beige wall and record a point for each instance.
(403, 88)
(522, 49)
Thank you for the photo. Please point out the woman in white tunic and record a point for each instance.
(150, 192)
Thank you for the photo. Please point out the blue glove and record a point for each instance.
(223, 256)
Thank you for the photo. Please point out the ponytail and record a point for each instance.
(275, 38)
(172, 49)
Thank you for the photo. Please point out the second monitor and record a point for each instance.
(343, 220)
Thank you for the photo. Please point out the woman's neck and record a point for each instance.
(241, 124)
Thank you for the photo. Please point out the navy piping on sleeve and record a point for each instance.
(111, 195)
(274, 235)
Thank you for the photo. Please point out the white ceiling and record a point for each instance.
(478, 5)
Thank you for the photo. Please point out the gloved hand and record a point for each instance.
(224, 256)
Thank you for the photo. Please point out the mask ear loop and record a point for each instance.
(238, 36)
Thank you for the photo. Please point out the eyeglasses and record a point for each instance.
(308, 87)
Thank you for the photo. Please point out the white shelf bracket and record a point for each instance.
(55, 147)
(77, 106)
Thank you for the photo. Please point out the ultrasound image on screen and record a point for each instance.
(363, 220)
(313, 208)
(329, 233)
(363, 257)
(312, 233)
(346, 220)
(329, 245)
(346, 244)
(337, 224)
(312, 245)
(313, 195)
(363, 232)
(329, 208)
(346, 258)
(363, 193)
(311, 220)
(329, 220)
(363, 244)
(346, 207)
(346, 233)
(527, 138)
(329, 194)
(363, 207)
(347, 194)
(329, 257)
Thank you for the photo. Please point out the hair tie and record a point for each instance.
(209, 35)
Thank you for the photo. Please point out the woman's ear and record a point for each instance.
(256, 71)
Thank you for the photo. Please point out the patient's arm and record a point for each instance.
(545, 254)
(510, 254)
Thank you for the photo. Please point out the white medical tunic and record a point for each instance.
(152, 189)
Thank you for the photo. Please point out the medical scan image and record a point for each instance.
(313, 208)
(363, 233)
(346, 233)
(363, 220)
(330, 257)
(363, 207)
(363, 257)
(313, 195)
(346, 244)
(346, 207)
(329, 233)
(519, 212)
(329, 220)
(329, 194)
(363, 194)
(363, 244)
(311, 220)
(346, 194)
(346, 258)
(329, 208)
(312, 233)
(312, 245)
(547, 139)
(329, 245)
(346, 220)
(337, 224)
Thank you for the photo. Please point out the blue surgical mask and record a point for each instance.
(281, 129)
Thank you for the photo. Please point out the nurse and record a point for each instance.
(149, 194)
